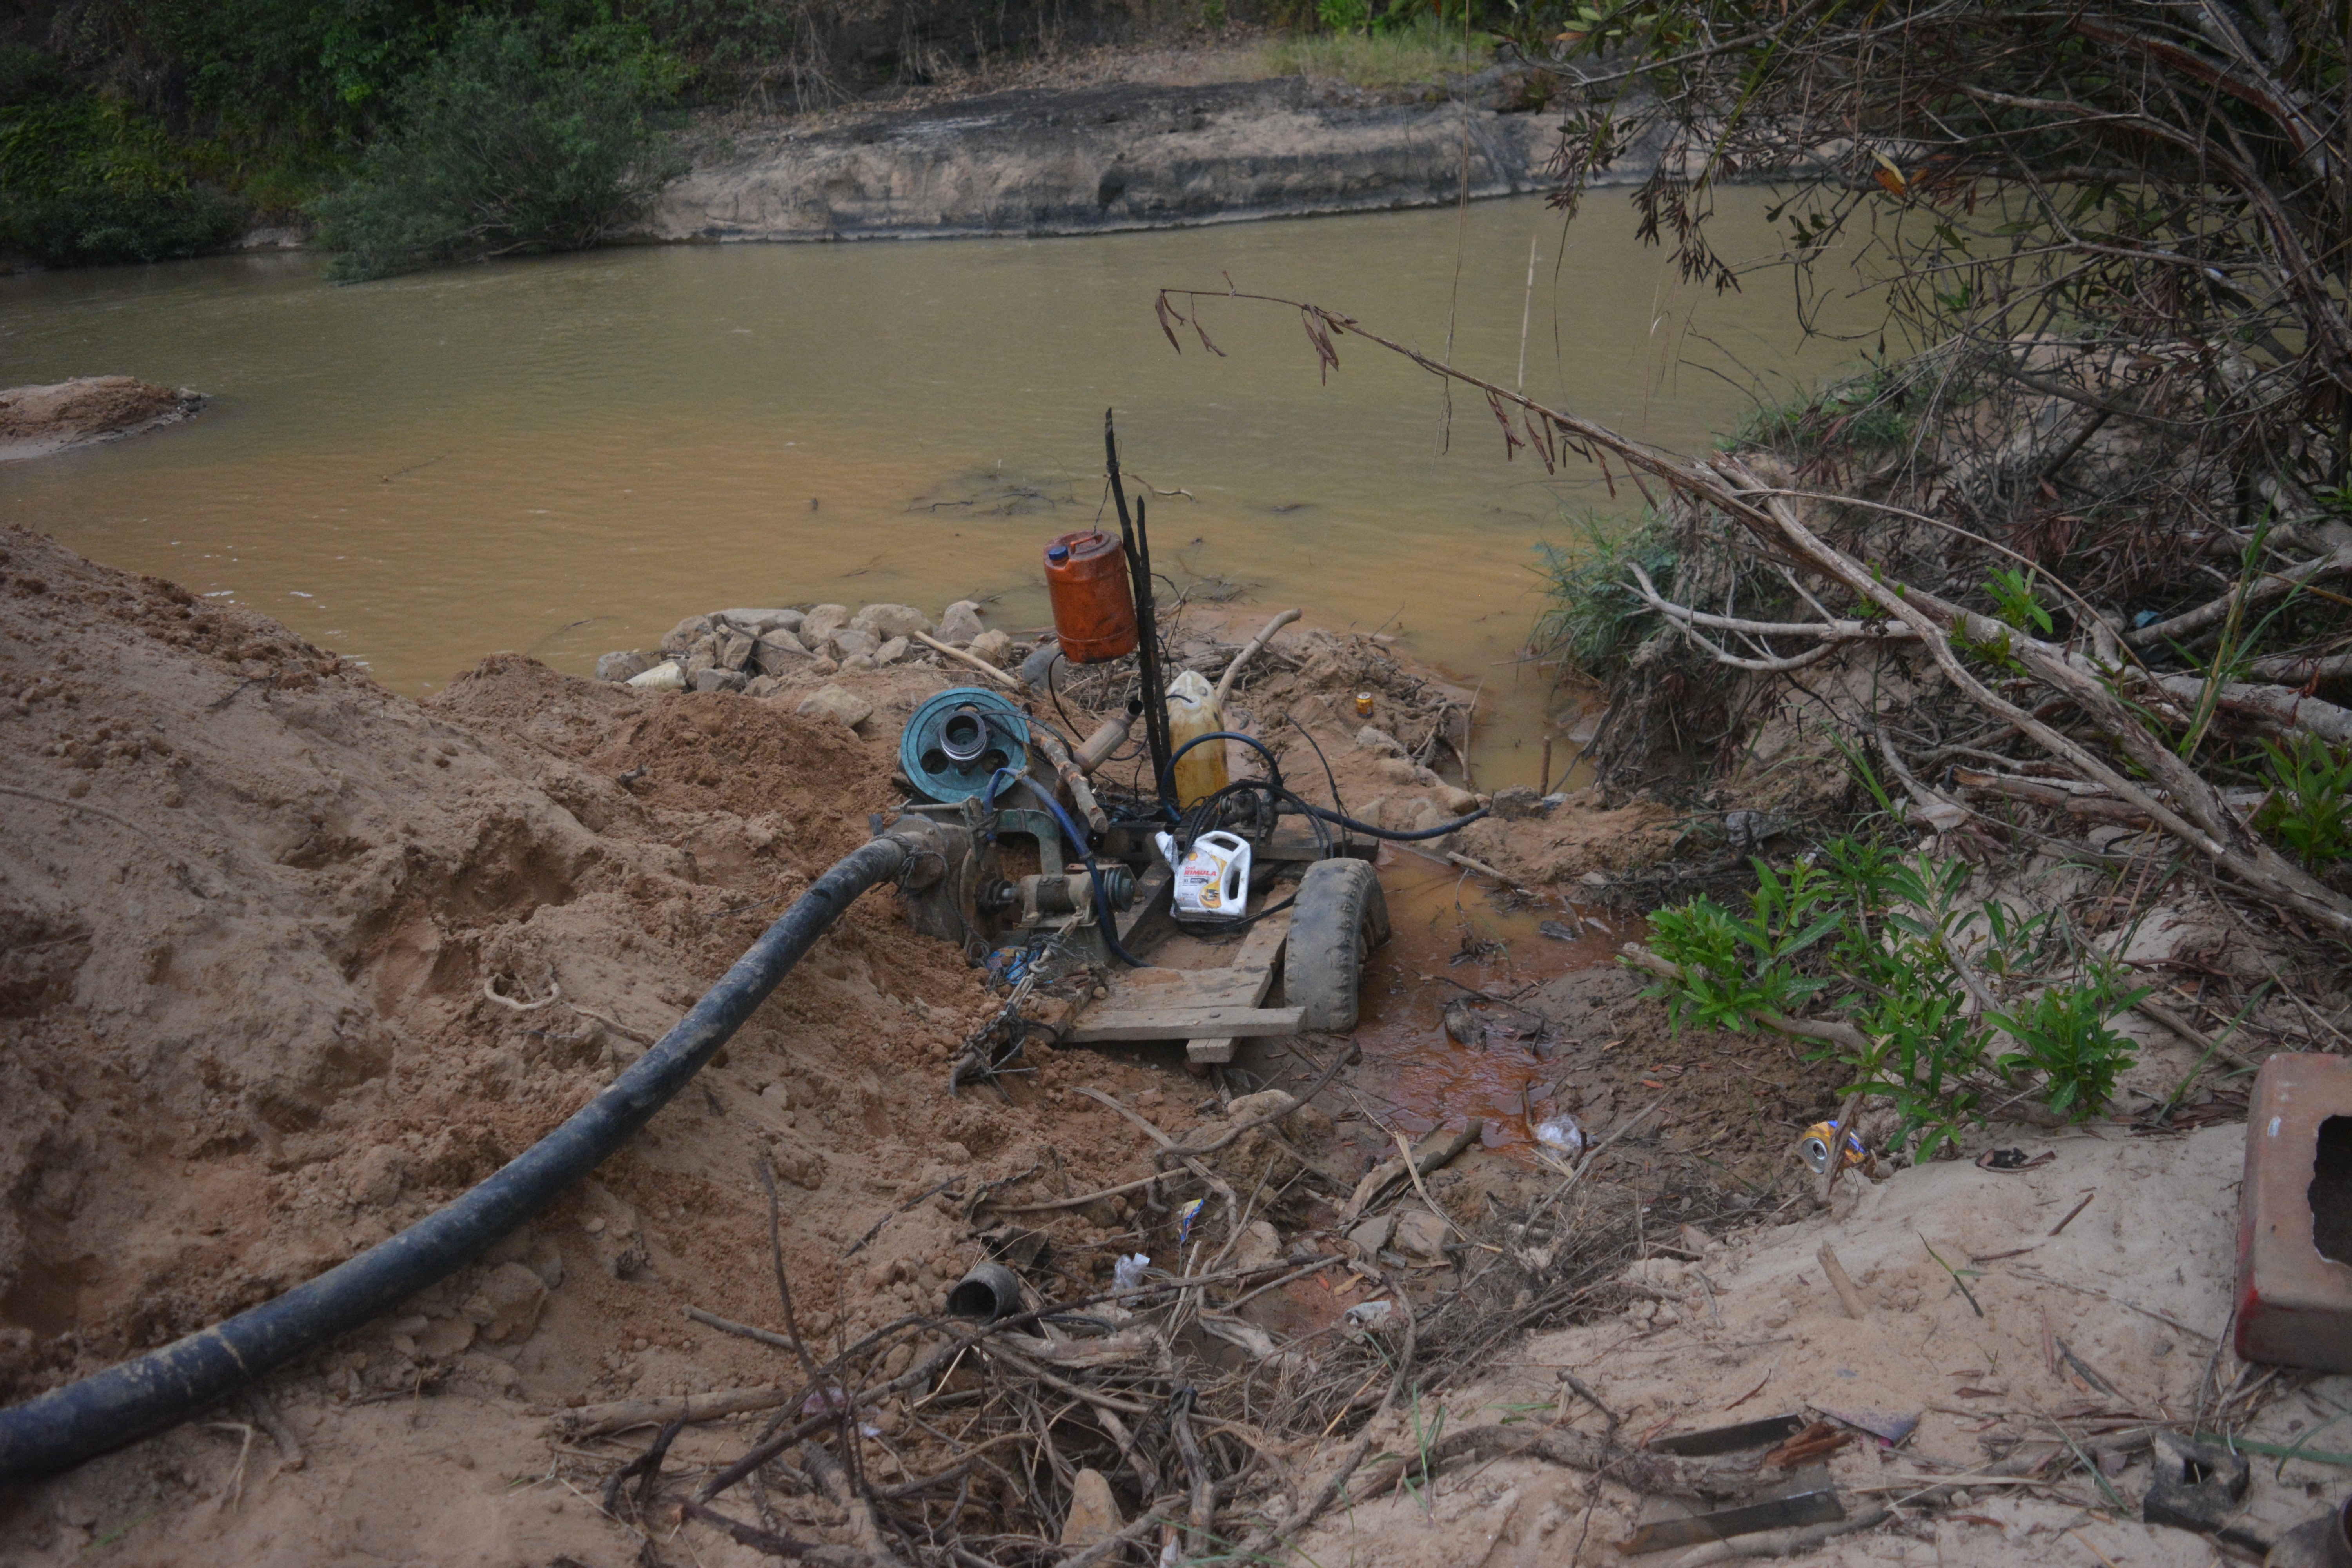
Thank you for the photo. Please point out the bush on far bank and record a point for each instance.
(85, 177)
(509, 143)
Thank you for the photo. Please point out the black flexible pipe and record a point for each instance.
(164, 1387)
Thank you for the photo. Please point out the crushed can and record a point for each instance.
(1817, 1141)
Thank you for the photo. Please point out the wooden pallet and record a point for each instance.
(1207, 1008)
(1261, 949)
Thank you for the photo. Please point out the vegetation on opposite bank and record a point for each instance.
(424, 132)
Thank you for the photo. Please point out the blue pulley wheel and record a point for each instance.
(955, 743)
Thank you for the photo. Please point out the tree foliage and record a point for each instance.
(2142, 207)
(85, 177)
(508, 142)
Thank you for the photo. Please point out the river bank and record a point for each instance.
(1110, 156)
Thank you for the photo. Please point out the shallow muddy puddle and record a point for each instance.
(1456, 940)
(566, 456)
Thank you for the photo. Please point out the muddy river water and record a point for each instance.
(566, 456)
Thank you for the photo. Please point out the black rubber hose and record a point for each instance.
(1395, 836)
(103, 1412)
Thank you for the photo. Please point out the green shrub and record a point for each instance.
(506, 144)
(85, 178)
(1875, 936)
(2311, 789)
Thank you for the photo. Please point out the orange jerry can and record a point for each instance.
(1094, 614)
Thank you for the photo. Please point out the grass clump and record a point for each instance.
(1593, 619)
(1855, 414)
(509, 143)
(1368, 50)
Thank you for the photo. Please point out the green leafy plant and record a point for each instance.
(2311, 788)
(1890, 942)
(2014, 601)
(509, 143)
(1344, 15)
(2063, 1033)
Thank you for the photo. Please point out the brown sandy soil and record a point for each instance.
(251, 907)
(1743, 1326)
(36, 421)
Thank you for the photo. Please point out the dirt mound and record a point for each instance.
(257, 919)
(36, 421)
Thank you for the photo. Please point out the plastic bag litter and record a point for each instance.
(1126, 1273)
(1563, 1133)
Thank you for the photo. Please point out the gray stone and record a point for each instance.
(991, 647)
(1264, 1102)
(618, 667)
(731, 649)
(1405, 770)
(848, 642)
(1460, 802)
(1517, 801)
(1420, 1235)
(836, 702)
(1259, 1245)
(762, 686)
(668, 676)
(1094, 1513)
(505, 1309)
(960, 623)
(753, 622)
(891, 652)
(1372, 738)
(818, 624)
(856, 663)
(1372, 1235)
(716, 679)
(778, 652)
(684, 635)
(887, 621)
(376, 1176)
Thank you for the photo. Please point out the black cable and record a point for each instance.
(1328, 776)
(1056, 696)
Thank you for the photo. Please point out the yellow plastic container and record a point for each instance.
(1192, 711)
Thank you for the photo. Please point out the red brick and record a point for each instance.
(2294, 1304)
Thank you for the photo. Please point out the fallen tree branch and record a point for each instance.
(1643, 1472)
(2281, 706)
(2269, 586)
(973, 659)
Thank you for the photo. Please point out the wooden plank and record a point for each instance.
(1101, 1023)
(1258, 953)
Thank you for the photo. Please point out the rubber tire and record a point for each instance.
(1341, 915)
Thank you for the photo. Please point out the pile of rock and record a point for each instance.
(756, 650)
